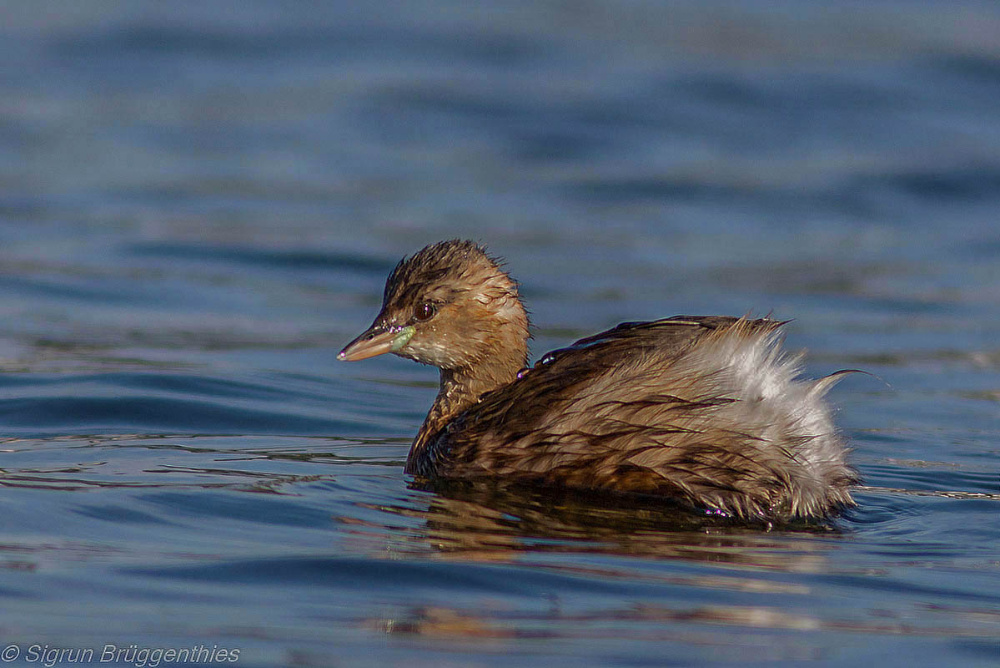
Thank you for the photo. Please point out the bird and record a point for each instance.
(707, 411)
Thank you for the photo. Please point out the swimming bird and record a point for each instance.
(705, 410)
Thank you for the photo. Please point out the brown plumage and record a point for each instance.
(706, 410)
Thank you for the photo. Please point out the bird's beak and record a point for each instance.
(378, 339)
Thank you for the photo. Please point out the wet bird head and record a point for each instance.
(450, 305)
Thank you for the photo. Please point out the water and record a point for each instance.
(199, 203)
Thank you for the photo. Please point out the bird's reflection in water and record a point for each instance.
(484, 521)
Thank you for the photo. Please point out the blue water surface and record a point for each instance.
(200, 202)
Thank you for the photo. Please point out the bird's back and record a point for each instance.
(707, 410)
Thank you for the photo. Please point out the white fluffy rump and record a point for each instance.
(782, 411)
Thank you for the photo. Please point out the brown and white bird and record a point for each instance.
(705, 410)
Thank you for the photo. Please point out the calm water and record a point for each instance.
(199, 203)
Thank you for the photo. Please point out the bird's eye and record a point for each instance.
(426, 311)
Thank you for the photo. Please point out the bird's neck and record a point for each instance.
(460, 389)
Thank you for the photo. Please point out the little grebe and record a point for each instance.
(706, 410)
